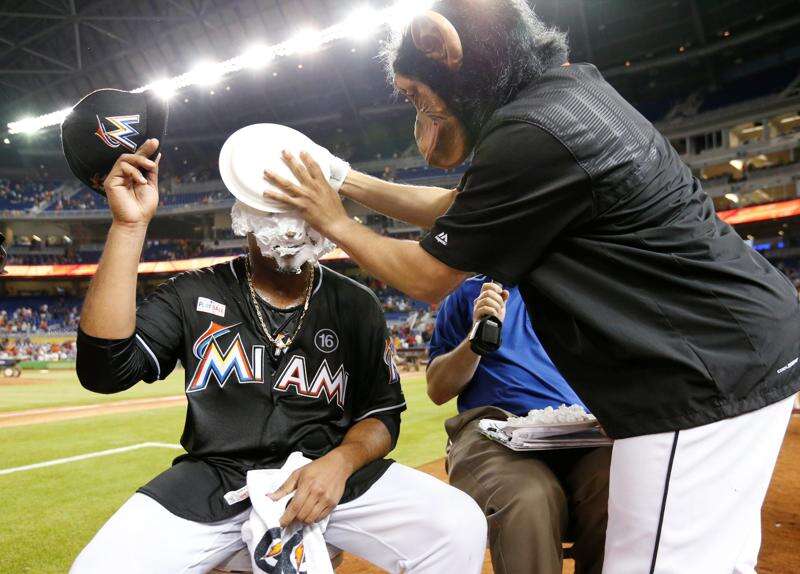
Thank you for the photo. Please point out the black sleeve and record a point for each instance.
(159, 328)
(111, 365)
(377, 393)
(523, 189)
(150, 354)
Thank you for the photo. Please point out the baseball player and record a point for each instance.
(281, 355)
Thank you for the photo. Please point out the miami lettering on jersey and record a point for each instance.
(325, 381)
(219, 364)
(214, 362)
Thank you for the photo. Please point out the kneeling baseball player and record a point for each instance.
(281, 355)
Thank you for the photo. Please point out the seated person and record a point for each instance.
(533, 500)
(274, 364)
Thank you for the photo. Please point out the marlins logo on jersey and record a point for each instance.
(120, 136)
(214, 362)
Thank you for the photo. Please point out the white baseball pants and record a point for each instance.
(689, 502)
(407, 521)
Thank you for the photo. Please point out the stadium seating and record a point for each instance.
(24, 196)
(43, 313)
(39, 314)
(21, 196)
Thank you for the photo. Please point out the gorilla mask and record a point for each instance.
(461, 62)
(441, 137)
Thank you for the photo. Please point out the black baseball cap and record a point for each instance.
(106, 124)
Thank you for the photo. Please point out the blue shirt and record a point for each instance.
(519, 376)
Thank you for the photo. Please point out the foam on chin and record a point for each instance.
(283, 237)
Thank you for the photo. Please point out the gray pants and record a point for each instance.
(533, 501)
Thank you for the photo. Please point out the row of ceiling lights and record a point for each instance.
(359, 26)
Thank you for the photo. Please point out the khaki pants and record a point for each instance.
(532, 501)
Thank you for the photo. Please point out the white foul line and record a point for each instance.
(90, 455)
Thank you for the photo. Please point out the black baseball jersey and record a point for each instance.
(656, 312)
(248, 407)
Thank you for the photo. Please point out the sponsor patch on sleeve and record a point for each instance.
(207, 305)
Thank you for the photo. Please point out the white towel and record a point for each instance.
(296, 549)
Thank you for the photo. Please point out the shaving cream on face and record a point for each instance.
(284, 237)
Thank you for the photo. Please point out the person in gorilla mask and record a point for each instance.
(682, 340)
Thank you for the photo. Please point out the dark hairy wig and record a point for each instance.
(506, 47)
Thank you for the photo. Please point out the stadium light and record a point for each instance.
(163, 88)
(402, 13)
(358, 25)
(206, 74)
(305, 41)
(33, 125)
(362, 23)
(256, 57)
(24, 126)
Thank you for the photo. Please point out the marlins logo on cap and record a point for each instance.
(119, 136)
(104, 125)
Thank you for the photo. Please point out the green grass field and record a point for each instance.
(49, 514)
(63, 389)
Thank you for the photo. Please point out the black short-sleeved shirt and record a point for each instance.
(654, 310)
(248, 409)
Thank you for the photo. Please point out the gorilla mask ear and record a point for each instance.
(437, 38)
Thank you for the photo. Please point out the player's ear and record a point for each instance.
(437, 38)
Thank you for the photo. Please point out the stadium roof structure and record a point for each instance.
(52, 52)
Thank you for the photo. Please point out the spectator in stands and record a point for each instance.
(57, 316)
(27, 350)
(533, 499)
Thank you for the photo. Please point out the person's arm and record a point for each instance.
(383, 257)
(522, 192)
(111, 355)
(449, 373)
(390, 261)
(109, 310)
(318, 487)
(414, 204)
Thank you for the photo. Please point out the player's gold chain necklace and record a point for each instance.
(280, 341)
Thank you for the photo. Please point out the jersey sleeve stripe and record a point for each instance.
(319, 284)
(376, 411)
(150, 352)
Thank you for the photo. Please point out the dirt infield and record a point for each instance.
(32, 416)
(780, 547)
(22, 381)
